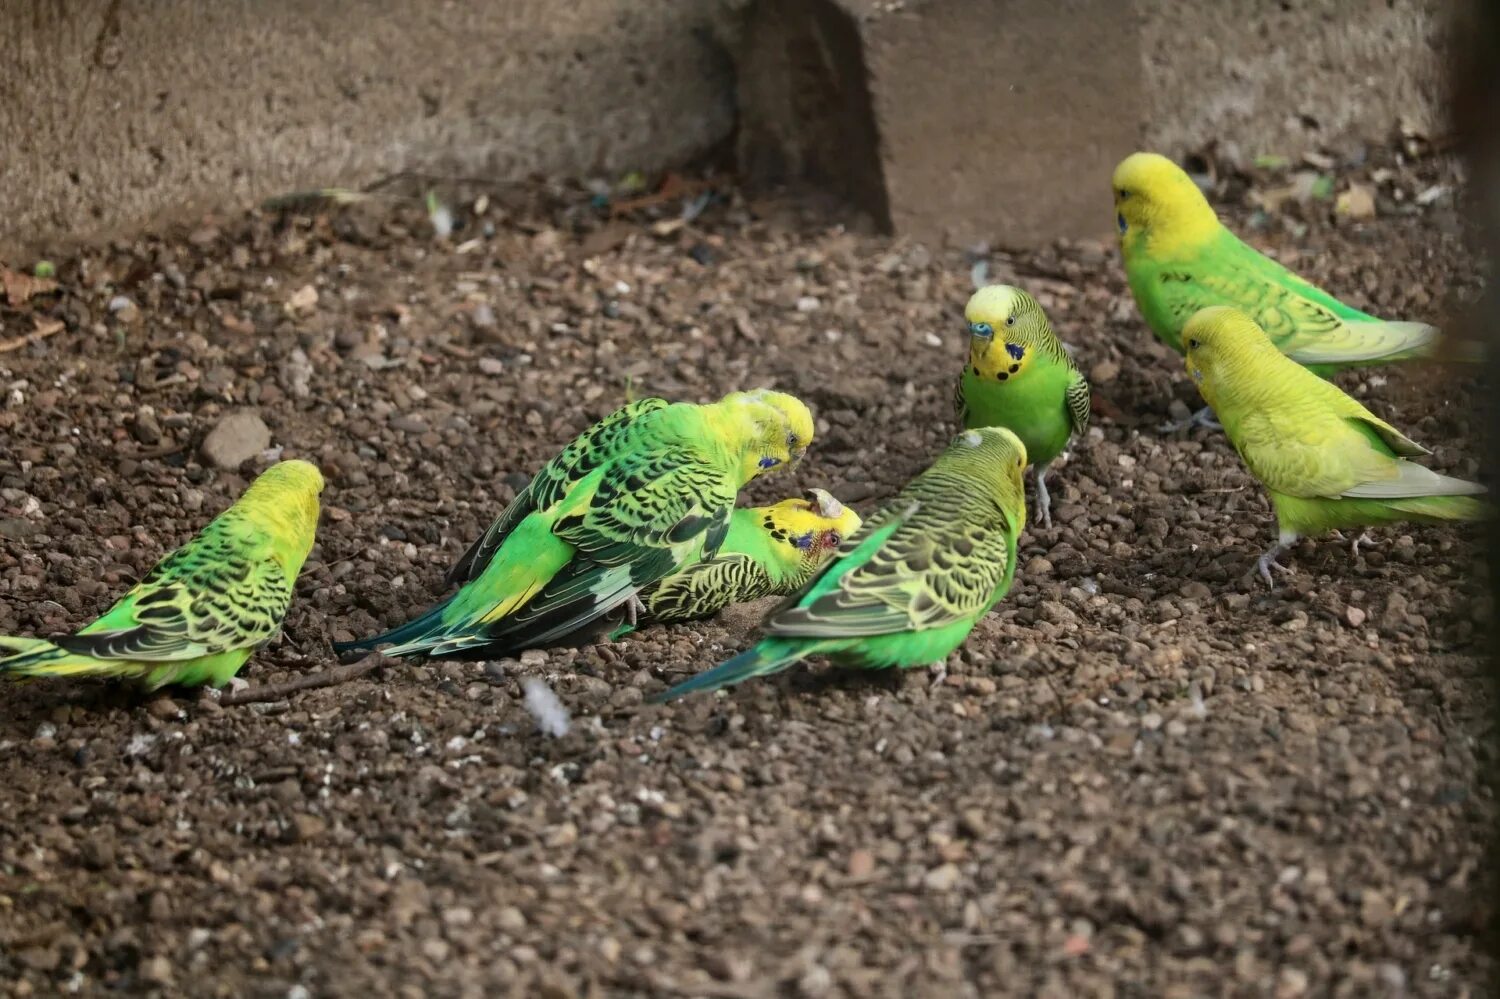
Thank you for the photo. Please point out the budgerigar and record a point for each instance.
(204, 609)
(1020, 377)
(632, 499)
(908, 587)
(1179, 259)
(769, 551)
(1327, 462)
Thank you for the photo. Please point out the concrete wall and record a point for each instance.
(1288, 76)
(113, 112)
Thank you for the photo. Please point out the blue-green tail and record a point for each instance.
(415, 628)
(766, 657)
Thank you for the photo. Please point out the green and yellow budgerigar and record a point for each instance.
(1179, 259)
(908, 587)
(644, 492)
(768, 551)
(1020, 377)
(1328, 462)
(204, 609)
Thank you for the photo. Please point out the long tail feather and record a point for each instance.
(30, 656)
(1437, 508)
(414, 629)
(763, 659)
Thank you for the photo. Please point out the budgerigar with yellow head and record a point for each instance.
(769, 551)
(1179, 259)
(1328, 462)
(207, 607)
(1020, 377)
(636, 497)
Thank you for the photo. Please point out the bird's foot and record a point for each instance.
(939, 673)
(1043, 498)
(1267, 562)
(634, 609)
(1203, 418)
(1365, 538)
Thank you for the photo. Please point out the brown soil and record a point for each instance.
(1144, 774)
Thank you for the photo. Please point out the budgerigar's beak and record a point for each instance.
(827, 505)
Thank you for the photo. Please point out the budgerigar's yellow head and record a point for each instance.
(994, 458)
(1007, 329)
(809, 529)
(783, 427)
(284, 499)
(1221, 342)
(1158, 203)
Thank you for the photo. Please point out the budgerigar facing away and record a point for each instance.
(204, 609)
(908, 587)
(1020, 377)
(769, 551)
(634, 498)
(1327, 462)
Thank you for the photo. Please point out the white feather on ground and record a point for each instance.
(551, 717)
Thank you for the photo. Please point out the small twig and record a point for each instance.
(312, 681)
(35, 336)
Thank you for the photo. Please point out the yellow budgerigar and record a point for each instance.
(1328, 462)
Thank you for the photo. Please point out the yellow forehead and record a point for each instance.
(296, 474)
(1146, 172)
(799, 420)
(797, 516)
(991, 304)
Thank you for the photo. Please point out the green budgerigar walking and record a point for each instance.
(644, 492)
(1020, 377)
(769, 551)
(908, 587)
(204, 609)
(1328, 462)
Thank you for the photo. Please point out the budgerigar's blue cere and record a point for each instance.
(984, 330)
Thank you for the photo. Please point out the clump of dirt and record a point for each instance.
(1142, 767)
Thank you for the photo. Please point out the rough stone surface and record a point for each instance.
(1000, 120)
(235, 439)
(1285, 78)
(114, 113)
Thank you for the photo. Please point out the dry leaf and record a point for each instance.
(19, 288)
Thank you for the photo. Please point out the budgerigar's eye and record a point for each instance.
(984, 330)
(1194, 344)
(1123, 194)
(1010, 320)
(769, 462)
(791, 440)
(834, 540)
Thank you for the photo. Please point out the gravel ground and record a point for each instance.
(1144, 775)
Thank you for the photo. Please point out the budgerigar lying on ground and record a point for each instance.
(769, 551)
(908, 587)
(204, 609)
(1327, 462)
(644, 492)
(1179, 259)
(1020, 377)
